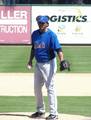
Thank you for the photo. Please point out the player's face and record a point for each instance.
(43, 26)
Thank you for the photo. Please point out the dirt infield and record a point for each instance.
(21, 84)
(26, 116)
(67, 84)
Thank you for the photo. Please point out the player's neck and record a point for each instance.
(43, 30)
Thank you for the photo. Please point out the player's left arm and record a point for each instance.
(64, 64)
(60, 54)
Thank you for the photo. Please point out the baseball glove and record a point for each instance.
(64, 65)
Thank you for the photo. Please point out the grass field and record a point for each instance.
(67, 105)
(15, 58)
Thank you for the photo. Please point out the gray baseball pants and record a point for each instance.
(44, 75)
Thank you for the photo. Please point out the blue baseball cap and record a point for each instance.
(42, 19)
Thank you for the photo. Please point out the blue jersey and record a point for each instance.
(45, 45)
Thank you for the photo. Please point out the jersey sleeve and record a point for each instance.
(54, 42)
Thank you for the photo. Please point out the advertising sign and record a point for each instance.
(70, 23)
(15, 24)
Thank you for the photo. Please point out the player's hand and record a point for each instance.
(29, 66)
(64, 65)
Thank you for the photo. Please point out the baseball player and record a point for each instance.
(45, 45)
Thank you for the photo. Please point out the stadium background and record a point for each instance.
(14, 58)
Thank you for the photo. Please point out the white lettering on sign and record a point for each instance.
(13, 29)
(13, 15)
(13, 21)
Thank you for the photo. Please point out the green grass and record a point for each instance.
(79, 57)
(15, 58)
(66, 104)
(75, 105)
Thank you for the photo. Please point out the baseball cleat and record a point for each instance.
(52, 117)
(37, 114)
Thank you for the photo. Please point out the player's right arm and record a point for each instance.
(29, 65)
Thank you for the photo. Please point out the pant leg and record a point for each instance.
(52, 98)
(38, 84)
(48, 71)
